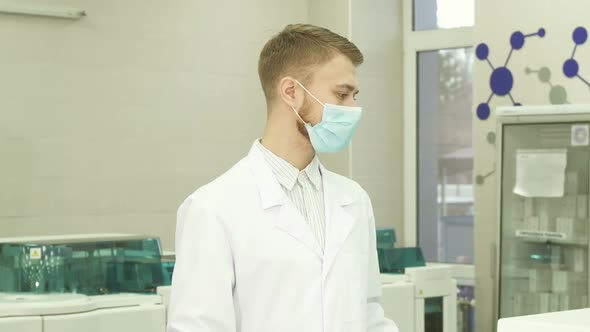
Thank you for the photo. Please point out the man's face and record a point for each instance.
(333, 83)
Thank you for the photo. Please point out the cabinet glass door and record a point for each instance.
(544, 218)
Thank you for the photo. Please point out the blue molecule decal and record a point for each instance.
(483, 111)
(571, 67)
(501, 80)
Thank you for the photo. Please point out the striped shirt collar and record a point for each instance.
(286, 173)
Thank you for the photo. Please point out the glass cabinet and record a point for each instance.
(542, 253)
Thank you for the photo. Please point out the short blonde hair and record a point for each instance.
(297, 50)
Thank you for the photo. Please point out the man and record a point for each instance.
(279, 243)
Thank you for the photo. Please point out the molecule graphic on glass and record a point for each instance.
(557, 94)
(571, 67)
(501, 80)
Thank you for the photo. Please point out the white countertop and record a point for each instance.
(563, 321)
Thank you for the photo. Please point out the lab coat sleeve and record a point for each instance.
(202, 284)
(376, 321)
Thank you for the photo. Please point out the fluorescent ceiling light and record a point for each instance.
(67, 13)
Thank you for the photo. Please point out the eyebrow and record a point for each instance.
(349, 87)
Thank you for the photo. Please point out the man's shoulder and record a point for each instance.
(229, 184)
(346, 185)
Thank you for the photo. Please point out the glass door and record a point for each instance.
(544, 218)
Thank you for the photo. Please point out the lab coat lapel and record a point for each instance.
(291, 221)
(339, 223)
(288, 219)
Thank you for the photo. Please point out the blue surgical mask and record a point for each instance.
(336, 129)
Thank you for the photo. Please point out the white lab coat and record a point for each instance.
(246, 260)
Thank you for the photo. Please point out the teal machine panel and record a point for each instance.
(88, 265)
(396, 260)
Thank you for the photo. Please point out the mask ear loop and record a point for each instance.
(297, 113)
(299, 116)
(311, 94)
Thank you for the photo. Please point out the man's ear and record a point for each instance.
(290, 92)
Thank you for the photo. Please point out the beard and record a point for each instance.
(302, 130)
(303, 113)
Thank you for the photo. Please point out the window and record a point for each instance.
(443, 14)
(438, 154)
(445, 155)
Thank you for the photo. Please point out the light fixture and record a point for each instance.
(67, 13)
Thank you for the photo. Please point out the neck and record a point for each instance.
(282, 138)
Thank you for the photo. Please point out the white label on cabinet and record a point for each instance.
(540, 235)
(580, 135)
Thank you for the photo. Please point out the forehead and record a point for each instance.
(339, 70)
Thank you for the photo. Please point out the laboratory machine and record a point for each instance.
(77, 312)
(104, 282)
(121, 283)
(418, 298)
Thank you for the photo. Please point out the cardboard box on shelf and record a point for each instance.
(575, 260)
(568, 207)
(582, 206)
(565, 225)
(539, 280)
(529, 207)
(569, 282)
(544, 302)
(554, 302)
(571, 183)
(532, 223)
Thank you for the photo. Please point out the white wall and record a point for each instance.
(110, 121)
(495, 22)
(377, 150)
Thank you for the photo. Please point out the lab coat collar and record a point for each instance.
(271, 193)
(337, 195)
(287, 174)
(289, 219)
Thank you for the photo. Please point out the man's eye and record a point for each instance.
(343, 95)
